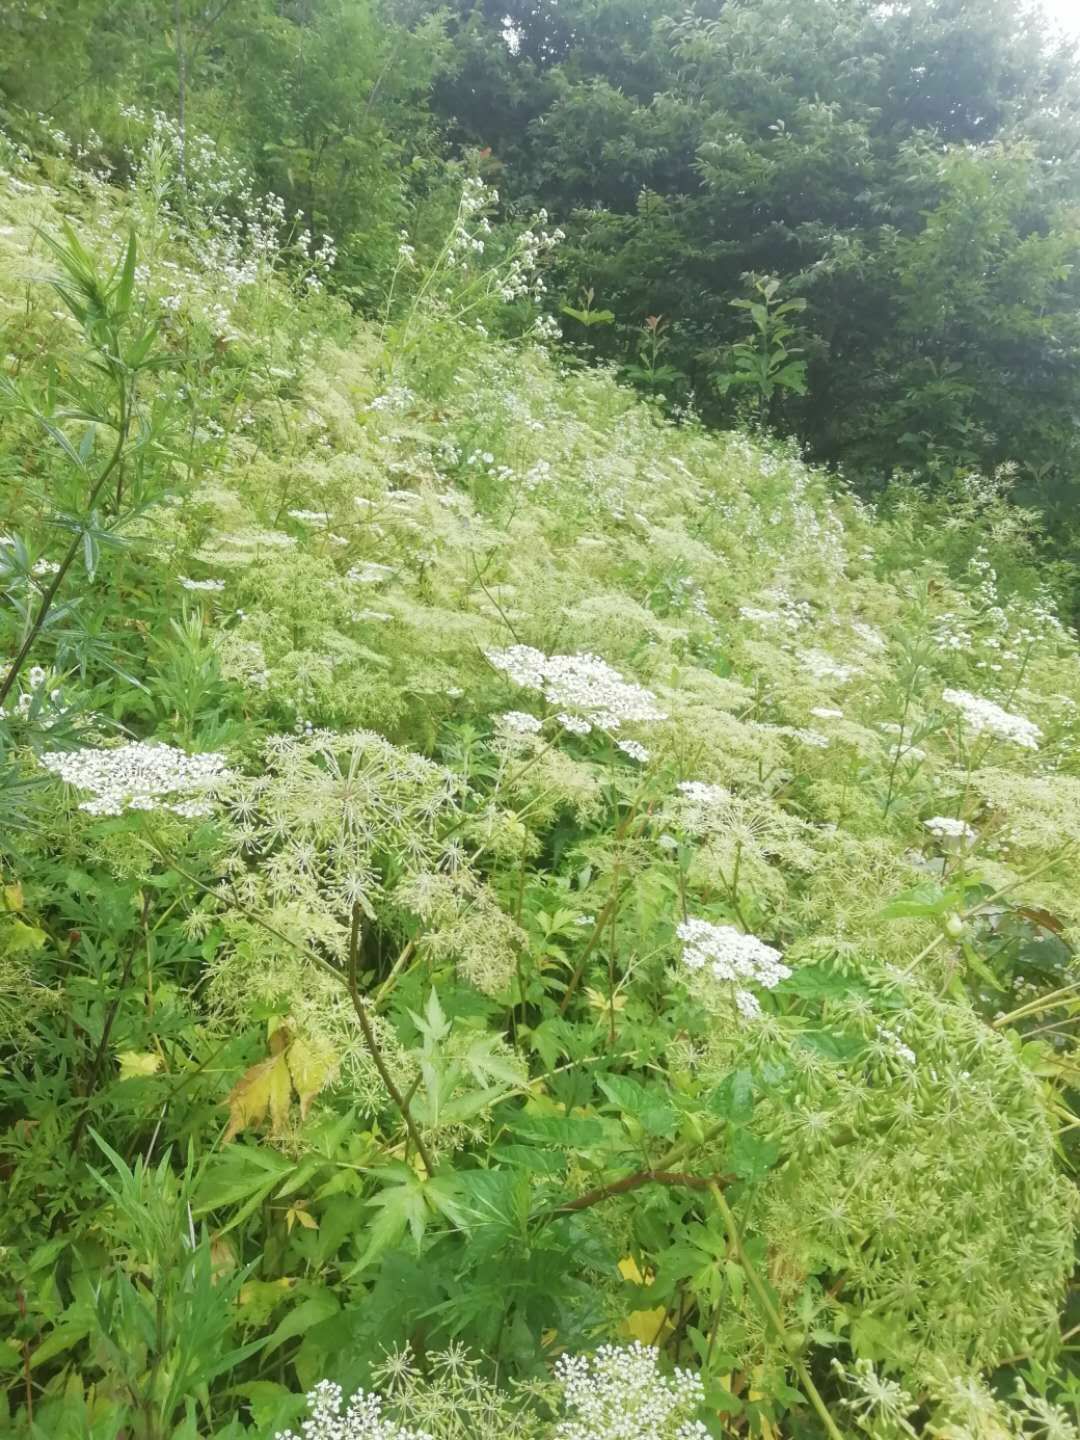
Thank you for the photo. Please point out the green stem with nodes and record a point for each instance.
(764, 1299)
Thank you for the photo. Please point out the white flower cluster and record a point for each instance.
(984, 716)
(212, 586)
(824, 667)
(519, 722)
(634, 749)
(395, 400)
(330, 1418)
(891, 1040)
(620, 1394)
(546, 329)
(731, 957)
(522, 275)
(47, 700)
(946, 827)
(591, 692)
(704, 807)
(573, 724)
(141, 776)
(370, 572)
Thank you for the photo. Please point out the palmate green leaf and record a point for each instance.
(495, 1201)
(242, 1175)
(402, 1206)
(312, 1310)
(569, 1132)
(640, 1102)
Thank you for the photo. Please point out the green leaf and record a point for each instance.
(126, 284)
(918, 903)
(317, 1307)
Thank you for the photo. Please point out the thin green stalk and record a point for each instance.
(764, 1299)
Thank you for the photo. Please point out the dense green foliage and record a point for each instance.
(490, 865)
(911, 169)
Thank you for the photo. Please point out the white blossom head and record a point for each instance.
(948, 828)
(362, 1418)
(634, 749)
(723, 961)
(585, 688)
(620, 1393)
(141, 776)
(983, 716)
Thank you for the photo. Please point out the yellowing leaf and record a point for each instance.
(222, 1257)
(628, 1269)
(651, 1327)
(13, 896)
(267, 1088)
(258, 1298)
(19, 936)
(311, 1067)
(261, 1090)
(296, 1214)
(135, 1063)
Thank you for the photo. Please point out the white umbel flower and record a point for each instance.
(141, 776)
(330, 1418)
(370, 572)
(730, 956)
(620, 1394)
(573, 724)
(213, 586)
(583, 686)
(983, 716)
(634, 749)
(946, 827)
(519, 722)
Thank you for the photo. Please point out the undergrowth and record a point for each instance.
(491, 872)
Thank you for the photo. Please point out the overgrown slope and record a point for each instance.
(431, 1011)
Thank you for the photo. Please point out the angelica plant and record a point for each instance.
(564, 876)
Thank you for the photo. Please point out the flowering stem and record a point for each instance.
(373, 1045)
(764, 1299)
(350, 981)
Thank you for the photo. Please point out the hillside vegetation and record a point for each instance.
(493, 869)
